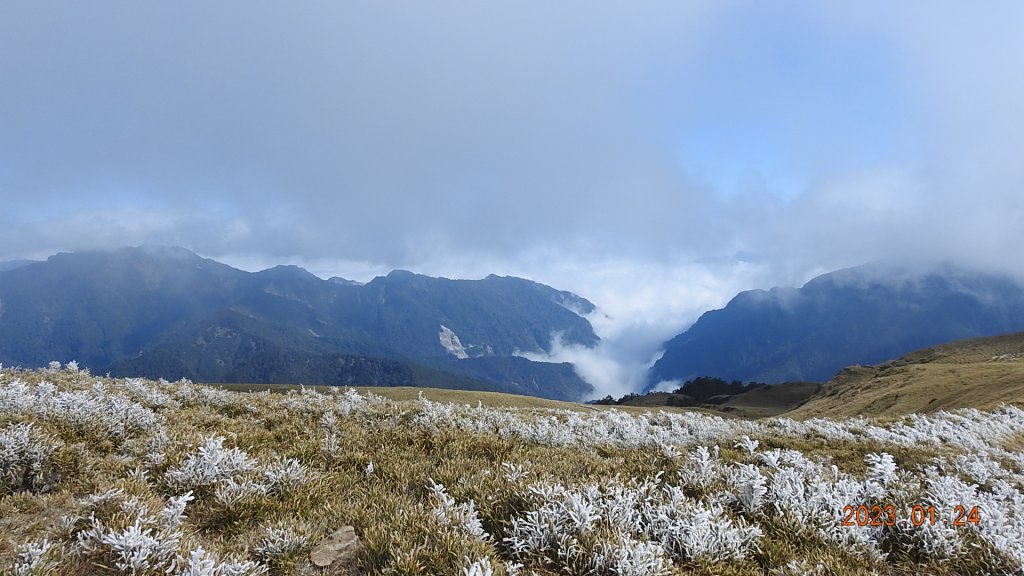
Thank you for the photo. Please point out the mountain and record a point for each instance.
(12, 264)
(167, 312)
(975, 373)
(862, 315)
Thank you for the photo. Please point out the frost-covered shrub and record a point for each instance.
(625, 529)
(232, 477)
(748, 487)
(199, 562)
(970, 429)
(349, 401)
(701, 469)
(127, 534)
(330, 446)
(463, 516)
(25, 459)
(280, 542)
(99, 411)
(154, 450)
(881, 468)
(212, 463)
(631, 558)
(231, 493)
(747, 444)
(35, 559)
(481, 567)
(284, 475)
(696, 531)
(135, 537)
(149, 394)
(514, 473)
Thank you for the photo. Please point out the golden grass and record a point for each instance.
(389, 508)
(978, 373)
(474, 397)
(893, 390)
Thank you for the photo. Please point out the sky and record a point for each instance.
(654, 157)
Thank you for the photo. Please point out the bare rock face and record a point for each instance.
(340, 548)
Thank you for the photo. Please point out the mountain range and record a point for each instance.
(166, 312)
(163, 312)
(861, 315)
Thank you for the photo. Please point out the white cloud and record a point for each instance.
(614, 150)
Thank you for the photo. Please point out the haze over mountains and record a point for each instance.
(862, 315)
(166, 312)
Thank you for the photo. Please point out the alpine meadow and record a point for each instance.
(133, 476)
(511, 288)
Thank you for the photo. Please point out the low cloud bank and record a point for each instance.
(638, 309)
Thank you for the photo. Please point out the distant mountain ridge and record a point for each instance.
(12, 264)
(166, 312)
(861, 315)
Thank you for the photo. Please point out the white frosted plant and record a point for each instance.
(131, 536)
(211, 464)
(970, 429)
(232, 477)
(283, 475)
(695, 531)
(625, 529)
(701, 469)
(329, 422)
(149, 394)
(280, 542)
(881, 468)
(481, 567)
(631, 558)
(330, 446)
(748, 487)
(552, 533)
(199, 562)
(98, 411)
(671, 452)
(463, 516)
(35, 559)
(882, 473)
(748, 445)
(514, 472)
(138, 538)
(231, 493)
(155, 448)
(350, 401)
(25, 459)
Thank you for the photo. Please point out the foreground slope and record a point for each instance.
(103, 476)
(974, 373)
(862, 315)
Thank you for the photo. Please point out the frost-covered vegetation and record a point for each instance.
(102, 476)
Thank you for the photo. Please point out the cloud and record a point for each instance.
(808, 134)
(621, 151)
(639, 308)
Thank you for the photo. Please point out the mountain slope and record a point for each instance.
(975, 373)
(860, 315)
(168, 312)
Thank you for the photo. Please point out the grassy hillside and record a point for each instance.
(979, 373)
(105, 476)
(771, 400)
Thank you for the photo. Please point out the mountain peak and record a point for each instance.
(859, 315)
(165, 311)
(288, 271)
